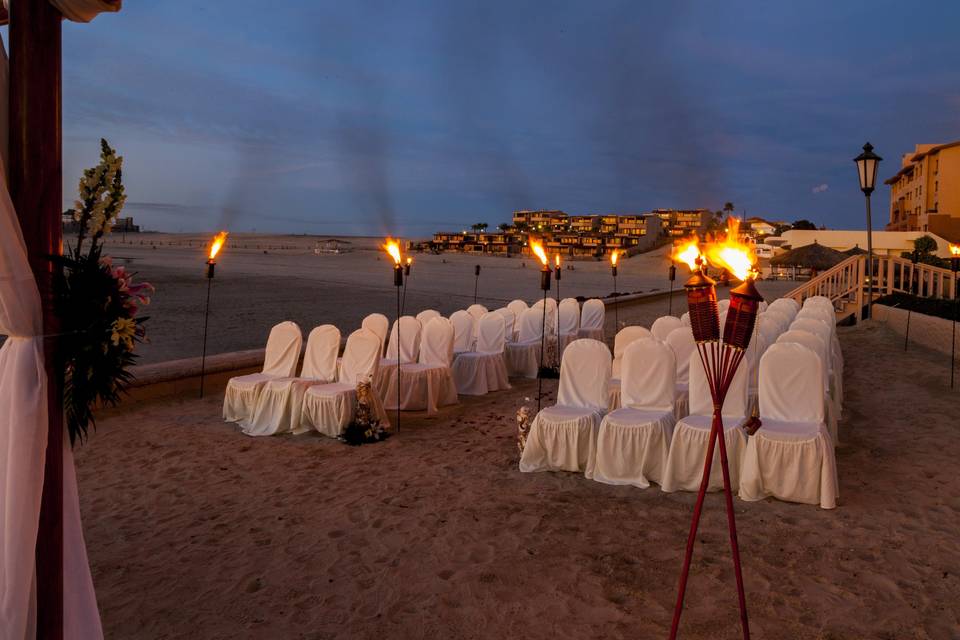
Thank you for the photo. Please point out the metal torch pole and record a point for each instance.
(672, 274)
(616, 303)
(398, 283)
(476, 282)
(869, 261)
(545, 285)
(206, 321)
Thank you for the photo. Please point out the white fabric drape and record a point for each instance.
(427, 384)
(592, 316)
(462, 331)
(379, 325)
(280, 361)
(663, 325)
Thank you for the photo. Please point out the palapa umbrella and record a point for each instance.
(811, 256)
(855, 250)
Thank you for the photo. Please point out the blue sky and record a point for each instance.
(409, 117)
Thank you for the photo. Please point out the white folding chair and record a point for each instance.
(633, 441)
(568, 322)
(280, 361)
(592, 317)
(462, 331)
(683, 345)
(791, 456)
(815, 343)
(685, 318)
(663, 325)
(427, 315)
(562, 437)
(509, 321)
(329, 408)
(278, 406)
(688, 447)
(427, 384)
(826, 332)
(551, 321)
(517, 307)
(379, 325)
(476, 310)
(523, 355)
(404, 341)
(485, 369)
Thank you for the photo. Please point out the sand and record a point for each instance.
(254, 290)
(196, 531)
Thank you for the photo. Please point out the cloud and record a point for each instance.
(820, 188)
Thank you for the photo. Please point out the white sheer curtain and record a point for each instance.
(23, 428)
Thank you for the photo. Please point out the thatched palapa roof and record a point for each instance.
(855, 250)
(810, 256)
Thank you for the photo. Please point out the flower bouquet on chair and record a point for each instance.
(98, 301)
(365, 426)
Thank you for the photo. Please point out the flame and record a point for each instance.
(613, 257)
(955, 249)
(687, 252)
(409, 261)
(556, 259)
(537, 248)
(727, 252)
(218, 241)
(393, 248)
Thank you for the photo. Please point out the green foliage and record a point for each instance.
(925, 245)
(804, 225)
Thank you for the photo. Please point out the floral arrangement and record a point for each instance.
(523, 426)
(97, 301)
(366, 426)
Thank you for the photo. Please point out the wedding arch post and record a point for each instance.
(35, 188)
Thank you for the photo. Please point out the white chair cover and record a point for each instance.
(562, 437)
(551, 321)
(280, 400)
(723, 305)
(791, 457)
(476, 310)
(826, 331)
(523, 356)
(688, 447)
(509, 321)
(379, 325)
(780, 317)
(633, 441)
(568, 322)
(624, 338)
(408, 346)
(663, 325)
(819, 301)
(280, 361)
(329, 408)
(683, 345)
(815, 343)
(517, 307)
(427, 315)
(685, 318)
(592, 316)
(462, 331)
(427, 384)
(790, 305)
(484, 370)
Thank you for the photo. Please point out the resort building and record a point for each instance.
(925, 192)
(885, 243)
(683, 222)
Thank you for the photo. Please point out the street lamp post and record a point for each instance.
(867, 163)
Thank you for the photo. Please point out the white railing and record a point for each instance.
(846, 283)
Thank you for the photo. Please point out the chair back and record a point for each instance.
(517, 307)
(491, 334)
(436, 344)
(283, 350)
(663, 325)
(723, 305)
(791, 384)
(624, 338)
(817, 312)
(409, 345)
(813, 342)
(476, 310)
(551, 306)
(822, 302)
(701, 401)
(585, 375)
(462, 331)
(592, 314)
(781, 317)
(361, 357)
(509, 321)
(378, 323)
(569, 316)
(685, 318)
(427, 315)
(531, 325)
(817, 327)
(683, 345)
(787, 306)
(648, 376)
(768, 328)
(320, 358)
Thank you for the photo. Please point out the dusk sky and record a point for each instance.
(410, 117)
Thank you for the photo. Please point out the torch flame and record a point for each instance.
(687, 252)
(613, 257)
(392, 247)
(729, 253)
(218, 241)
(557, 260)
(537, 247)
(409, 260)
(955, 249)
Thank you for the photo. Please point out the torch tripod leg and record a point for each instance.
(543, 336)
(206, 320)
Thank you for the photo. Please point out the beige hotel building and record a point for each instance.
(925, 192)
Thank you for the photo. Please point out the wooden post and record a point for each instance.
(35, 187)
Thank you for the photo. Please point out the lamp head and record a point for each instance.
(867, 163)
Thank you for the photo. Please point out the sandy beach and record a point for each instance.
(262, 280)
(196, 531)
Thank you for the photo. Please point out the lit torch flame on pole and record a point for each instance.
(536, 247)
(392, 247)
(720, 359)
(614, 257)
(215, 246)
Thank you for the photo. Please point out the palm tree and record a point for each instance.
(480, 226)
(728, 208)
(504, 226)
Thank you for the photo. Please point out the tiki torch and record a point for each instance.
(406, 272)
(672, 274)
(955, 263)
(476, 281)
(392, 247)
(556, 276)
(913, 289)
(537, 248)
(215, 246)
(720, 359)
(613, 270)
